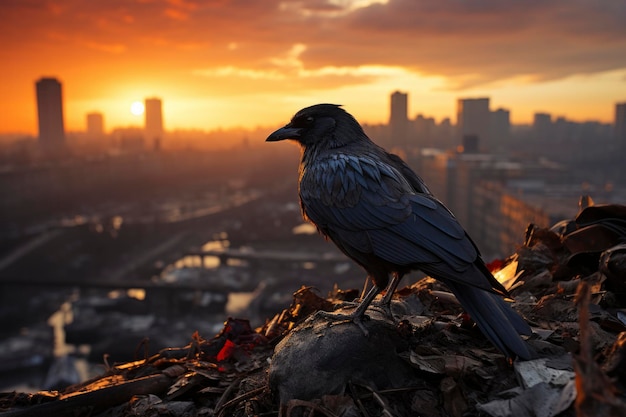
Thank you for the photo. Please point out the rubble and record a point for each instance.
(430, 360)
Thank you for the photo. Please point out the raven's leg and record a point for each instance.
(358, 314)
(391, 288)
(362, 295)
(385, 302)
(366, 285)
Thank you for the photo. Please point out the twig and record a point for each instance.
(225, 395)
(380, 400)
(312, 406)
(357, 399)
(223, 405)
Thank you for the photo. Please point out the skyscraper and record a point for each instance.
(545, 135)
(474, 120)
(154, 122)
(500, 130)
(95, 125)
(398, 118)
(620, 128)
(50, 114)
(543, 128)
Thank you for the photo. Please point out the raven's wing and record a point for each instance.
(366, 205)
(415, 180)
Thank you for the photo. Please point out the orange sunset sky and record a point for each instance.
(252, 63)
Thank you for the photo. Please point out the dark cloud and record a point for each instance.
(471, 42)
(484, 39)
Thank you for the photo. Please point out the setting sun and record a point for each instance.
(137, 108)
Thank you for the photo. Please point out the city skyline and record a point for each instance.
(478, 127)
(222, 65)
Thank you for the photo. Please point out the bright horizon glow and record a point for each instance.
(428, 95)
(215, 66)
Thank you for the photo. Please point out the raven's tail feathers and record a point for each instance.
(495, 318)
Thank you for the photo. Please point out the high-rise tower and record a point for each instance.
(500, 132)
(95, 125)
(474, 120)
(154, 122)
(619, 134)
(50, 114)
(620, 127)
(398, 118)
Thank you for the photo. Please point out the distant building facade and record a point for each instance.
(504, 216)
(500, 134)
(154, 122)
(95, 125)
(474, 119)
(542, 127)
(50, 114)
(424, 129)
(494, 198)
(399, 119)
(620, 127)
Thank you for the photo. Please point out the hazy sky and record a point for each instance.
(247, 63)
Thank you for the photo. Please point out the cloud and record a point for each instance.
(287, 71)
(230, 71)
(480, 41)
(113, 48)
(472, 43)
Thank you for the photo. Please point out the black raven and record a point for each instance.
(382, 215)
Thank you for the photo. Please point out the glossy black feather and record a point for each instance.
(382, 215)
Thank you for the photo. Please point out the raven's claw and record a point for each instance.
(357, 319)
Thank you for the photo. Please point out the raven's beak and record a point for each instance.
(286, 132)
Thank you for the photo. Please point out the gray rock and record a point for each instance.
(320, 356)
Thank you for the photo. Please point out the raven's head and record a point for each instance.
(320, 125)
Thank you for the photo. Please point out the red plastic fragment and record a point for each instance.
(495, 265)
(226, 351)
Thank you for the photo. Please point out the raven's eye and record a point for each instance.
(302, 121)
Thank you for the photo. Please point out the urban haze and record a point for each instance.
(115, 239)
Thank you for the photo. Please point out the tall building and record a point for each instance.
(50, 114)
(399, 119)
(154, 122)
(500, 134)
(619, 137)
(620, 127)
(474, 120)
(424, 129)
(95, 125)
(543, 129)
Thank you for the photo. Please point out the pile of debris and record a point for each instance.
(569, 282)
